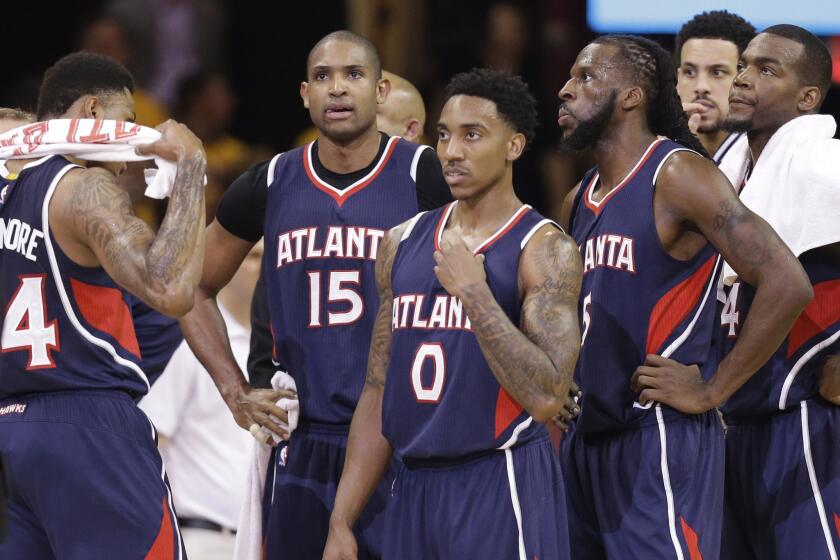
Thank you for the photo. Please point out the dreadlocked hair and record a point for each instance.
(652, 68)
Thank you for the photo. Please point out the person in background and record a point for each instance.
(205, 452)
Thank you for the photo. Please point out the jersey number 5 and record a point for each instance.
(25, 324)
(338, 290)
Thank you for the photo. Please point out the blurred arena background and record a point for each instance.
(231, 69)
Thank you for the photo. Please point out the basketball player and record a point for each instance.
(323, 210)
(782, 455)
(473, 349)
(645, 480)
(707, 51)
(401, 114)
(86, 478)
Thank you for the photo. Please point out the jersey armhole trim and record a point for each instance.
(665, 158)
(272, 164)
(410, 227)
(535, 229)
(416, 160)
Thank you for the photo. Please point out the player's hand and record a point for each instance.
(341, 544)
(672, 383)
(695, 114)
(177, 142)
(458, 268)
(570, 409)
(828, 380)
(256, 406)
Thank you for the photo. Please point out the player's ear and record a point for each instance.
(809, 99)
(304, 94)
(413, 130)
(92, 107)
(383, 88)
(631, 98)
(516, 145)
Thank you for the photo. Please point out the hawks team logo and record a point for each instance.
(3, 194)
(284, 456)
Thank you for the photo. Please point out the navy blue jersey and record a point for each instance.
(636, 299)
(790, 376)
(321, 245)
(65, 326)
(441, 399)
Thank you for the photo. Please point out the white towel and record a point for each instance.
(90, 140)
(249, 535)
(795, 185)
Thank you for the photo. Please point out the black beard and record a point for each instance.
(588, 132)
(733, 125)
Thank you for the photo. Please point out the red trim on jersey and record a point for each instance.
(675, 305)
(596, 207)
(507, 410)
(837, 523)
(499, 234)
(164, 546)
(692, 540)
(444, 216)
(341, 197)
(105, 309)
(821, 313)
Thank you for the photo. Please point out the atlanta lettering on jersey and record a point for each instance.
(19, 236)
(347, 242)
(445, 312)
(609, 250)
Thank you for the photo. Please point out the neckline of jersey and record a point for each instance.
(8, 175)
(499, 233)
(596, 206)
(340, 196)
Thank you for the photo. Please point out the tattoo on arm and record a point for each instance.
(380, 345)
(535, 364)
(154, 267)
(743, 236)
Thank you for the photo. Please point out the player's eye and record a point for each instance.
(443, 135)
(767, 71)
(688, 72)
(355, 74)
(740, 66)
(319, 76)
(473, 135)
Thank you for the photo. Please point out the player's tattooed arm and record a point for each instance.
(161, 269)
(368, 452)
(535, 360)
(696, 191)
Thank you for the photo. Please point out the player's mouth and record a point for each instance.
(708, 104)
(339, 112)
(738, 100)
(564, 117)
(454, 174)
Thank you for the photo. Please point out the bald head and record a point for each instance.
(403, 113)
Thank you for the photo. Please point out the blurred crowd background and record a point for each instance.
(231, 70)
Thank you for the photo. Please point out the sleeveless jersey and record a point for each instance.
(320, 253)
(790, 376)
(636, 299)
(441, 400)
(65, 326)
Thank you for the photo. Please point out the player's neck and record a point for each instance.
(758, 140)
(487, 211)
(617, 152)
(713, 140)
(351, 156)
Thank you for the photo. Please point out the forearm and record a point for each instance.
(205, 331)
(520, 366)
(368, 456)
(775, 308)
(173, 260)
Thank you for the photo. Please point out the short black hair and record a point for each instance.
(510, 93)
(349, 36)
(814, 64)
(717, 24)
(76, 75)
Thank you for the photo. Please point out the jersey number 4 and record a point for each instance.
(729, 315)
(25, 324)
(339, 289)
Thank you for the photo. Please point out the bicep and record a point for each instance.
(702, 196)
(551, 274)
